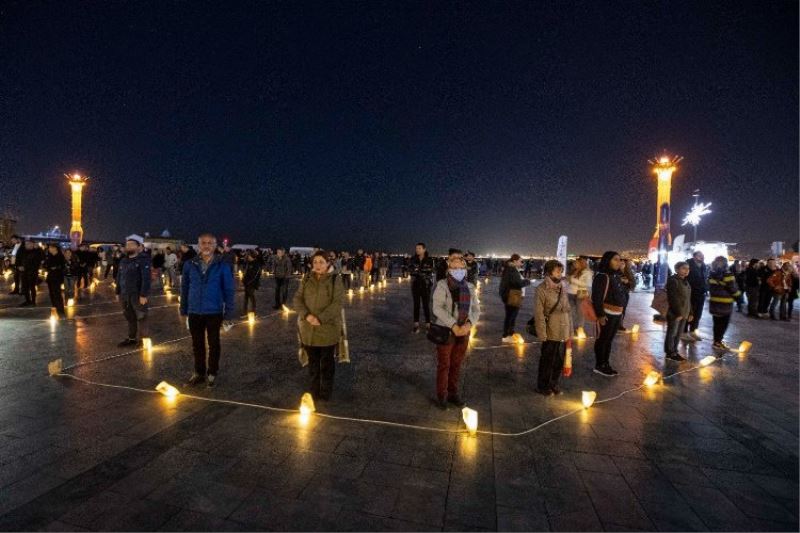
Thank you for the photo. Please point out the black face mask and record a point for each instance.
(130, 254)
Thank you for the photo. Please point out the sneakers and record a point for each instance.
(686, 337)
(127, 342)
(606, 371)
(211, 381)
(196, 379)
(457, 401)
(696, 335)
(721, 346)
(676, 357)
(415, 328)
(509, 339)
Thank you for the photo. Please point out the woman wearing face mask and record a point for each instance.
(511, 286)
(318, 303)
(456, 307)
(553, 327)
(609, 299)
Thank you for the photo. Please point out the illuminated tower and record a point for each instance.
(76, 182)
(663, 167)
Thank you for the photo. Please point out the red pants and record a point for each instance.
(448, 370)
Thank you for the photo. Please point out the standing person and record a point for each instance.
(609, 298)
(794, 287)
(752, 282)
(31, 261)
(698, 280)
(170, 264)
(133, 288)
(455, 306)
(780, 283)
(472, 268)
(765, 291)
(283, 272)
(358, 262)
(159, 260)
(112, 262)
(71, 272)
(347, 270)
(421, 269)
(628, 279)
(580, 283)
(318, 303)
(647, 271)
(722, 285)
(83, 262)
(739, 270)
(511, 285)
(553, 327)
(17, 252)
(368, 273)
(207, 296)
(383, 265)
(54, 264)
(679, 296)
(251, 280)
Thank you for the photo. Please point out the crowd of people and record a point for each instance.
(444, 290)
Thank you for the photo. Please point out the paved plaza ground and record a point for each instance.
(714, 448)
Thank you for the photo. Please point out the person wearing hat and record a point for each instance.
(133, 287)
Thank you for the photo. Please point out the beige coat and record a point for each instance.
(323, 299)
(556, 326)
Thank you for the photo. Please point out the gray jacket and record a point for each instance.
(555, 325)
(283, 267)
(679, 295)
(445, 313)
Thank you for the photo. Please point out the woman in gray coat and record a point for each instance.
(553, 327)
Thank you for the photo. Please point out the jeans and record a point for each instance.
(551, 364)
(421, 293)
(448, 368)
(281, 291)
(69, 286)
(674, 329)
(202, 327)
(135, 313)
(720, 326)
(56, 298)
(698, 301)
(779, 301)
(602, 346)
(321, 368)
(510, 320)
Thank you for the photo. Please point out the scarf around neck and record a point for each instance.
(463, 297)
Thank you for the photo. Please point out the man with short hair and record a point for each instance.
(31, 261)
(472, 268)
(421, 269)
(283, 272)
(207, 296)
(698, 281)
(679, 294)
(17, 251)
(133, 288)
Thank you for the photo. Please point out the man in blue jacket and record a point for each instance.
(133, 288)
(206, 298)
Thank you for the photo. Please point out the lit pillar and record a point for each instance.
(663, 168)
(76, 182)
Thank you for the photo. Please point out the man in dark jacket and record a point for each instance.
(29, 272)
(511, 281)
(207, 298)
(17, 252)
(679, 296)
(251, 279)
(421, 269)
(698, 280)
(765, 291)
(472, 268)
(283, 273)
(752, 282)
(133, 288)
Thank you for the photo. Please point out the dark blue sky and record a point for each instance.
(494, 126)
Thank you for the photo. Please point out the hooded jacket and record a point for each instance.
(210, 293)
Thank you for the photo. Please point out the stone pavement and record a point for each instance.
(710, 449)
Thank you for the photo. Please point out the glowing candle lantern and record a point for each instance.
(707, 360)
(54, 367)
(588, 397)
(470, 417)
(286, 310)
(651, 378)
(251, 317)
(361, 289)
(147, 344)
(518, 339)
(70, 302)
(349, 292)
(635, 329)
(745, 346)
(53, 315)
(307, 404)
(167, 390)
(581, 333)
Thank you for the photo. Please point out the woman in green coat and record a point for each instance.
(318, 303)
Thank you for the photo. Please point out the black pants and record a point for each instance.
(698, 301)
(111, 267)
(135, 313)
(674, 329)
(281, 291)
(510, 320)
(29, 280)
(347, 280)
(720, 326)
(752, 301)
(790, 304)
(202, 327)
(56, 297)
(86, 275)
(17, 280)
(602, 346)
(551, 364)
(249, 298)
(321, 368)
(764, 297)
(421, 292)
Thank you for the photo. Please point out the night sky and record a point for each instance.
(495, 126)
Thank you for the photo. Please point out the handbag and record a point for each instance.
(660, 302)
(439, 334)
(530, 327)
(587, 308)
(514, 298)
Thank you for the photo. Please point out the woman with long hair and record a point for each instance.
(54, 264)
(580, 283)
(609, 299)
